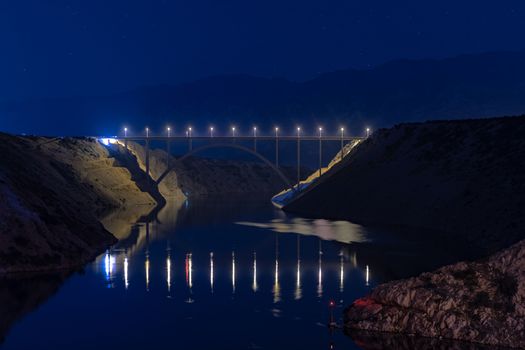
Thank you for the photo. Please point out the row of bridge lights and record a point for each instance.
(189, 131)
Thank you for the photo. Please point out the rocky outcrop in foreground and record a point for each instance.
(52, 195)
(481, 302)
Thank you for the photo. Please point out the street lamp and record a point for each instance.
(168, 148)
(320, 151)
(367, 132)
(255, 138)
(126, 138)
(276, 146)
(211, 131)
(298, 156)
(147, 156)
(190, 145)
(233, 131)
(342, 141)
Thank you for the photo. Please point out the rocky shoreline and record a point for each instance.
(481, 302)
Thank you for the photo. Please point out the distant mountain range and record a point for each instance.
(480, 85)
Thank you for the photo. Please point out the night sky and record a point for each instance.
(97, 47)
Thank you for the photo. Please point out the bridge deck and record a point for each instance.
(240, 138)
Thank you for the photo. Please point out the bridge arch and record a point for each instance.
(226, 145)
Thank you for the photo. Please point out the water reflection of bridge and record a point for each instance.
(116, 266)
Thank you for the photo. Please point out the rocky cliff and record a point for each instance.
(482, 302)
(460, 178)
(53, 193)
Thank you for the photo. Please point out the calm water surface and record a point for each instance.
(223, 275)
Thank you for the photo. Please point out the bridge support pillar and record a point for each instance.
(168, 151)
(298, 161)
(320, 156)
(342, 146)
(276, 151)
(147, 161)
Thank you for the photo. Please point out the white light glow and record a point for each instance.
(109, 263)
(190, 271)
(233, 272)
(254, 284)
(147, 272)
(126, 280)
(211, 271)
(276, 286)
(298, 291)
(168, 272)
(341, 274)
(106, 141)
(320, 274)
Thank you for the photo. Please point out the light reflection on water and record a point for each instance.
(220, 275)
(341, 231)
(115, 265)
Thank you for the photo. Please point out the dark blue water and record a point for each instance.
(223, 275)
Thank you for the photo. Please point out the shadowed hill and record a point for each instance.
(461, 178)
(52, 197)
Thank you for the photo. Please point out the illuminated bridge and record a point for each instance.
(245, 143)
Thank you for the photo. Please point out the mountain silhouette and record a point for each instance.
(467, 86)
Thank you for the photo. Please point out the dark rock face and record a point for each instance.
(482, 302)
(460, 178)
(51, 198)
